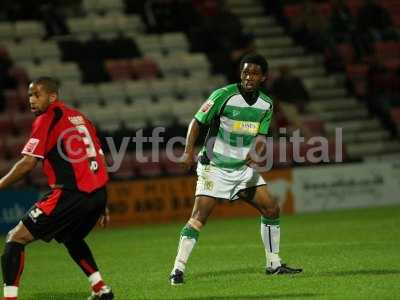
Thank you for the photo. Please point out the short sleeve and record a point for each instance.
(211, 107)
(265, 122)
(36, 145)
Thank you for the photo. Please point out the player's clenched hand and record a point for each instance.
(188, 159)
(105, 218)
(249, 159)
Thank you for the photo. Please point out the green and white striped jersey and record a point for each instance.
(233, 125)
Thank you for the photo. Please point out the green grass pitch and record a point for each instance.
(351, 254)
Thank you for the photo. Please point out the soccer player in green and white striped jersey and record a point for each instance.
(238, 117)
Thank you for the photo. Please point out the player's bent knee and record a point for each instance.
(19, 234)
(271, 212)
(199, 218)
(196, 224)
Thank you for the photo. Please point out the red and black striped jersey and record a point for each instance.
(68, 144)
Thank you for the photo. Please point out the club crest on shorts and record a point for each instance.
(208, 185)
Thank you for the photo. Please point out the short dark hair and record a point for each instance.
(51, 85)
(257, 59)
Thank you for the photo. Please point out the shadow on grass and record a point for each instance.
(227, 272)
(360, 272)
(270, 296)
(59, 296)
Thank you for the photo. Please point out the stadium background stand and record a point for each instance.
(133, 65)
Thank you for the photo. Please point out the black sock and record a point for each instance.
(82, 255)
(12, 263)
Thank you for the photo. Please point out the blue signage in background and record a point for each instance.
(13, 206)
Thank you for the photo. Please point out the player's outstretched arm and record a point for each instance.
(19, 170)
(189, 156)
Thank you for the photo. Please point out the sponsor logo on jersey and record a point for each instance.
(31, 145)
(205, 108)
(77, 120)
(235, 113)
(245, 127)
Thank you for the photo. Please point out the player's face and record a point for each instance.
(251, 76)
(39, 98)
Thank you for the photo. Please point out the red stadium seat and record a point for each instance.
(149, 168)
(346, 52)
(314, 126)
(395, 115)
(22, 91)
(126, 169)
(389, 4)
(292, 10)
(3, 148)
(325, 9)
(385, 50)
(354, 6)
(6, 123)
(15, 144)
(11, 99)
(396, 19)
(23, 121)
(19, 74)
(356, 71)
(357, 74)
(144, 68)
(3, 52)
(119, 69)
(172, 167)
(392, 64)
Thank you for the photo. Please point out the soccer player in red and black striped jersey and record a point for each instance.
(66, 143)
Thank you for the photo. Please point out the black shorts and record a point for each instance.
(73, 217)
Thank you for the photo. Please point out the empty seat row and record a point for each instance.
(140, 90)
(162, 43)
(108, 7)
(34, 50)
(105, 27)
(136, 115)
(66, 71)
(182, 64)
(10, 31)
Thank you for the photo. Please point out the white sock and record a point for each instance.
(271, 235)
(96, 282)
(95, 278)
(185, 247)
(10, 291)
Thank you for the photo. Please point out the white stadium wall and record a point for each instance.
(346, 186)
(303, 189)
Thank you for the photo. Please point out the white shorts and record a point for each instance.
(225, 183)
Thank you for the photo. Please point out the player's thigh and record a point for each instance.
(20, 234)
(95, 205)
(259, 198)
(203, 207)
